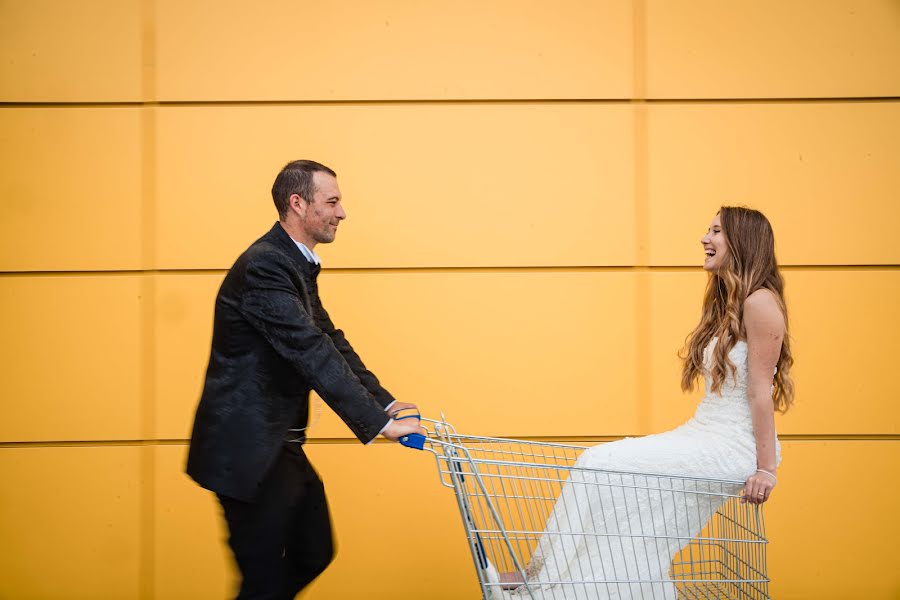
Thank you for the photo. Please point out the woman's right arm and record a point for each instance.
(764, 327)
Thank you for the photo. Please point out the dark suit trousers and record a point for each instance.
(282, 540)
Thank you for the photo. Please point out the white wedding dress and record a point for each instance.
(595, 530)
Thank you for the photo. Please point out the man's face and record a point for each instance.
(319, 218)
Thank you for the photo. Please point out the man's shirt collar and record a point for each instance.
(307, 253)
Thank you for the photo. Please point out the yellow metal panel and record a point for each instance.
(183, 327)
(387, 509)
(502, 353)
(772, 49)
(832, 521)
(424, 185)
(824, 174)
(846, 338)
(674, 310)
(69, 521)
(191, 558)
(498, 351)
(819, 547)
(394, 49)
(64, 51)
(71, 188)
(70, 357)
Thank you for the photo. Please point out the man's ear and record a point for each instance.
(298, 205)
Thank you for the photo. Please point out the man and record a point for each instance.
(272, 343)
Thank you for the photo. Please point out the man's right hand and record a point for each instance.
(397, 429)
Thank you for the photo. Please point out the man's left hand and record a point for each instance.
(398, 407)
(398, 429)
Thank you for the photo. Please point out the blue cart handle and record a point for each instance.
(413, 440)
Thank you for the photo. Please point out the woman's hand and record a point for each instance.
(759, 487)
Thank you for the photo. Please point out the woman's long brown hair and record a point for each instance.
(749, 266)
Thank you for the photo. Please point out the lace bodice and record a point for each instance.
(729, 406)
(736, 384)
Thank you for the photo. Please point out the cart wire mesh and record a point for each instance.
(527, 508)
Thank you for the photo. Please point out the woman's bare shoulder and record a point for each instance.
(762, 310)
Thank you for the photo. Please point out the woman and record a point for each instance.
(742, 350)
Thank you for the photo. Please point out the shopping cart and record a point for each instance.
(540, 526)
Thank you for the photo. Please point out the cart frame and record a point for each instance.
(506, 491)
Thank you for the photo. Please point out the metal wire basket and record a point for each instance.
(540, 526)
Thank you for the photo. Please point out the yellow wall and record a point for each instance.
(526, 182)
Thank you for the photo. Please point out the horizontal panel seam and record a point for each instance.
(468, 269)
(451, 101)
(835, 437)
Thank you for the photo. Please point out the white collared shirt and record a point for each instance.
(309, 254)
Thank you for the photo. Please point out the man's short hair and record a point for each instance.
(296, 178)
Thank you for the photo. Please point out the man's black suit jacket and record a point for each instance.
(272, 343)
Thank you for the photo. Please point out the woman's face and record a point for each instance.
(714, 246)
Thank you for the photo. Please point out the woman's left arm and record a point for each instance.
(764, 327)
